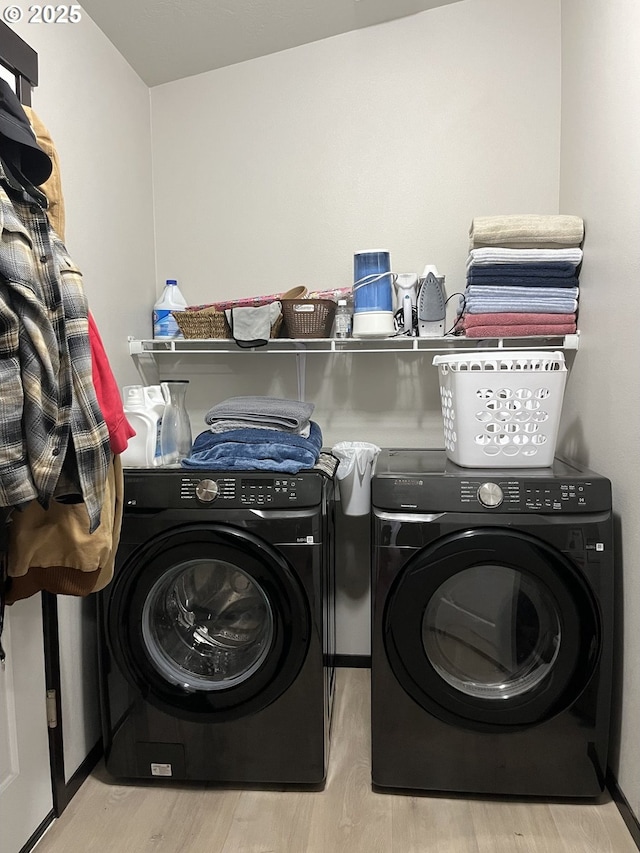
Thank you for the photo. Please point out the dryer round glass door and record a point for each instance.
(208, 622)
(491, 628)
(492, 632)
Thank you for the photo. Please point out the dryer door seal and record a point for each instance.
(491, 628)
(208, 622)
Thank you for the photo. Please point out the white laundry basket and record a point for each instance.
(501, 410)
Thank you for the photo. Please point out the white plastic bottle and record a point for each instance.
(342, 320)
(144, 407)
(164, 323)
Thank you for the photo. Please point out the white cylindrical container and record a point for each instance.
(164, 323)
(372, 295)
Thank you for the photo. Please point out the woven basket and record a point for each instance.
(208, 324)
(308, 318)
(204, 324)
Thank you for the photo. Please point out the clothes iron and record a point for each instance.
(432, 304)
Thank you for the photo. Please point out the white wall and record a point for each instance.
(273, 172)
(97, 110)
(600, 172)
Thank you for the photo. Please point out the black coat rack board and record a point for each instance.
(22, 62)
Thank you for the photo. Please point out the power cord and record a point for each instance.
(461, 306)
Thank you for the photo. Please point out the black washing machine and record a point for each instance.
(492, 627)
(217, 632)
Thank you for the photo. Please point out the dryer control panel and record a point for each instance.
(425, 481)
(532, 496)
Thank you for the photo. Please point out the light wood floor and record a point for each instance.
(346, 816)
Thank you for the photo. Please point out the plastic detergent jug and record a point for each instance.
(144, 407)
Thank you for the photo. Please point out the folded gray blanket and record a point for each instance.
(255, 450)
(266, 411)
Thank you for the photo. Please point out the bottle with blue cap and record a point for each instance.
(164, 323)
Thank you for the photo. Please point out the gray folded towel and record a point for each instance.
(251, 327)
(227, 424)
(268, 411)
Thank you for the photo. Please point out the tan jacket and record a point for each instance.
(52, 549)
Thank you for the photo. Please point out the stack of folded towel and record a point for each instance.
(257, 434)
(522, 276)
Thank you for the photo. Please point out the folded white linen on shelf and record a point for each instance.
(495, 255)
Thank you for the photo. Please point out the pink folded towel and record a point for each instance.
(520, 331)
(517, 318)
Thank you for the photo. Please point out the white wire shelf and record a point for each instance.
(450, 343)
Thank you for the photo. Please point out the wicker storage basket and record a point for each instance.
(308, 318)
(202, 324)
(209, 324)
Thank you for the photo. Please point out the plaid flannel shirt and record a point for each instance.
(49, 414)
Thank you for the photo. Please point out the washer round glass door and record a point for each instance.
(207, 624)
(207, 621)
(491, 628)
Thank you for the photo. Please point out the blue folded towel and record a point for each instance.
(501, 280)
(517, 293)
(490, 299)
(550, 270)
(533, 306)
(255, 450)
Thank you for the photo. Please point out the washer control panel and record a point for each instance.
(245, 491)
(209, 490)
(490, 494)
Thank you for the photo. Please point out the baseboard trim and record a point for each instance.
(40, 831)
(85, 768)
(355, 661)
(631, 821)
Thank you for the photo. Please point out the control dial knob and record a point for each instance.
(490, 494)
(207, 491)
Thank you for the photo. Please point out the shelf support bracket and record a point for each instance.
(301, 371)
(147, 367)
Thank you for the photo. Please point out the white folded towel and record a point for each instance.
(489, 255)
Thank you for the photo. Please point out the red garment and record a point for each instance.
(108, 394)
